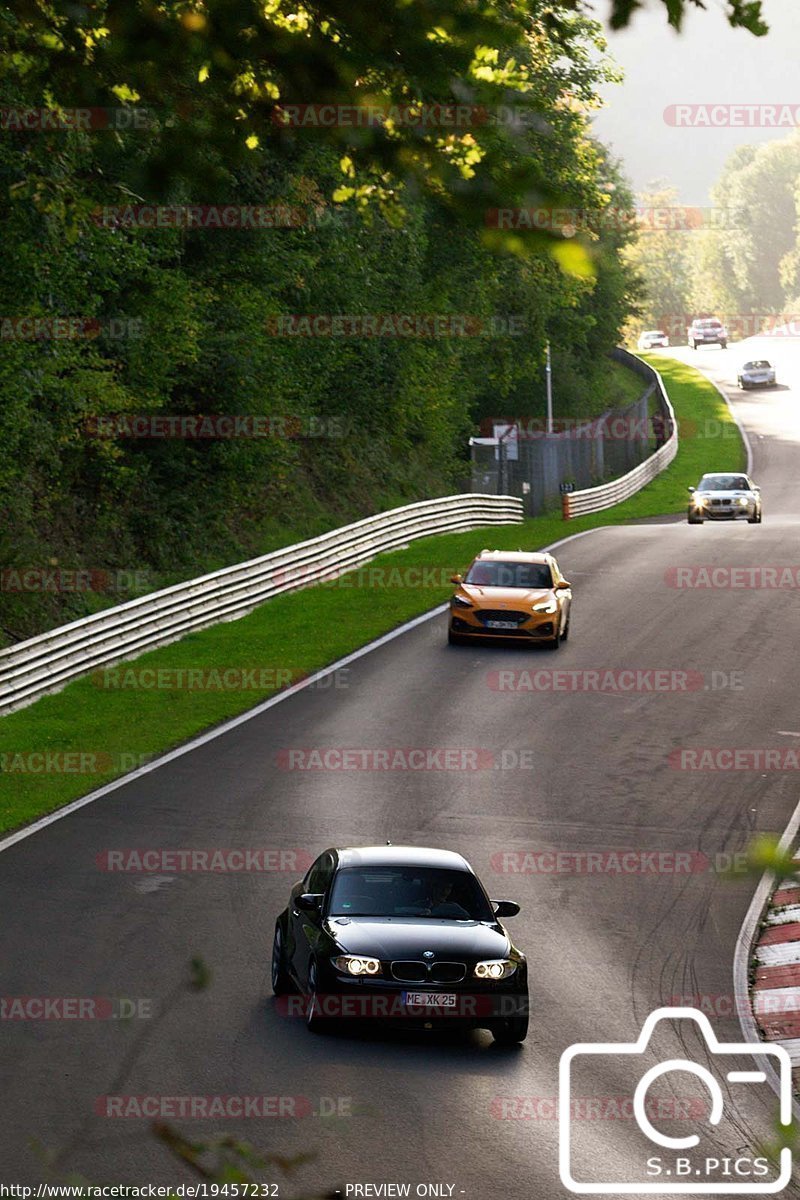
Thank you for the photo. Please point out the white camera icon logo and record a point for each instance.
(780, 1061)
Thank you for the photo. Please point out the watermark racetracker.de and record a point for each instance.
(404, 758)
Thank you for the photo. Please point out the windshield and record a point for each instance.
(708, 324)
(655, 333)
(409, 892)
(756, 364)
(492, 573)
(723, 483)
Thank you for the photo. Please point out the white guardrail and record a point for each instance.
(595, 499)
(49, 661)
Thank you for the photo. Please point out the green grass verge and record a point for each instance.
(94, 731)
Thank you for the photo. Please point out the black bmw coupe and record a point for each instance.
(401, 935)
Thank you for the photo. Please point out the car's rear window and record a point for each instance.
(495, 573)
(408, 892)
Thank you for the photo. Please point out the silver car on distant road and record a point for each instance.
(707, 331)
(725, 497)
(756, 373)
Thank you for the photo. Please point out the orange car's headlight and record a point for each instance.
(547, 606)
(460, 602)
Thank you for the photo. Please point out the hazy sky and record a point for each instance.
(708, 63)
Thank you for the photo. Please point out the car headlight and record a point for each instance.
(700, 500)
(743, 500)
(495, 968)
(460, 602)
(356, 964)
(547, 606)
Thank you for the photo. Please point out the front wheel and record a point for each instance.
(693, 520)
(755, 519)
(741, 383)
(723, 345)
(565, 634)
(315, 1022)
(454, 639)
(281, 979)
(511, 1031)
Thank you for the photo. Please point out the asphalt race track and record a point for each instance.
(605, 947)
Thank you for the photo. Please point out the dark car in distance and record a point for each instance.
(403, 935)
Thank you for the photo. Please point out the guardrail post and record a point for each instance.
(565, 513)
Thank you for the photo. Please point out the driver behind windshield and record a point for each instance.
(510, 574)
(724, 483)
(387, 892)
(440, 902)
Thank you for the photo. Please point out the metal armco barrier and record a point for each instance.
(595, 499)
(49, 661)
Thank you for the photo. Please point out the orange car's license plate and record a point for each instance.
(501, 624)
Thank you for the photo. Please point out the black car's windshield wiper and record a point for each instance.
(442, 917)
(401, 915)
(380, 916)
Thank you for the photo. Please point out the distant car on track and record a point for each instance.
(402, 934)
(759, 372)
(707, 331)
(511, 594)
(651, 338)
(725, 497)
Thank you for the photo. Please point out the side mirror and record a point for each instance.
(505, 908)
(562, 585)
(309, 902)
(690, 489)
(756, 488)
(456, 578)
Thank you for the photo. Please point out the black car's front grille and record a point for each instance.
(447, 972)
(410, 972)
(501, 614)
(435, 972)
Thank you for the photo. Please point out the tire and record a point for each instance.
(512, 1031)
(565, 634)
(723, 345)
(314, 1022)
(692, 345)
(741, 384)
(692, 520)
(755, 520)
(281, 979)
(454, 639)
(555, 642)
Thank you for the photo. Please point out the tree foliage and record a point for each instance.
(408, 234)
(659, 258)
(741, 261)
